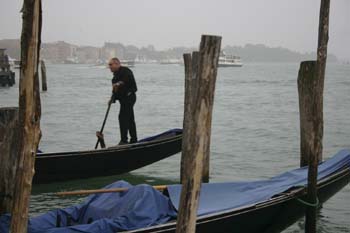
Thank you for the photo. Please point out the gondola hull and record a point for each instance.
(268, 217)
(55, 167)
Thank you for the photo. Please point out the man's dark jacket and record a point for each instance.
(128, 87)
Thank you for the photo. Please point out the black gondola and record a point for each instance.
(63, 166)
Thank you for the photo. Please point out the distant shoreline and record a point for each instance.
(59, 52)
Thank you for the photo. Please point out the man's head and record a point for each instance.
(114, 64)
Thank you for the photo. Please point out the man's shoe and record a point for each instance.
(133, 141)
(122, 143)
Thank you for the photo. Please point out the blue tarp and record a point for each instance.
(138, 207)
(215, 197)
(143, 206)
(169, 133)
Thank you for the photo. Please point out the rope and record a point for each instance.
(308, 203)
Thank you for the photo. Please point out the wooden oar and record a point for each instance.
(104, 122)
(94, 191)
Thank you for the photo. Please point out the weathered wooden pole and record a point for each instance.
(198, 138)
(194, 90)
(211, 73)
(310, 115)
(8, 156)
(43, 76)
(311, 86)
(191, 64)
(187, 109)
(29, 113)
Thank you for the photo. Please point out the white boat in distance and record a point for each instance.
(229, 60)
(171, 61)
(127, 63)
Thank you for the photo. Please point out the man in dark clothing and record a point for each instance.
(124, 89)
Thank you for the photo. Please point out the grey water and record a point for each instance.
(255, 132)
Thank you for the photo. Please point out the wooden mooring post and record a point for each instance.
(197, 146)
(43, 76)
(311, 86)
(311, 118)
(191, 63)
(29, 113)
(187, 121)
(8, 156)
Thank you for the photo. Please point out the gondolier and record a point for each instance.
(124, 89)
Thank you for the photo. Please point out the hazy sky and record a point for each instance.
(288, 23)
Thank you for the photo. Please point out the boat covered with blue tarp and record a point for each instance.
(255, 206)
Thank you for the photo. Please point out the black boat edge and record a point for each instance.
(63, 166)
(269, 216)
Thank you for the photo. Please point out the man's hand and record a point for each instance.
(101, 139)
(99, 135)
(115, 87)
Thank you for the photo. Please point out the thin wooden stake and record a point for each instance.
(29, 113)
(200, 130)
(43, 76)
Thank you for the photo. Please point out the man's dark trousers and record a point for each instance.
(127, 118)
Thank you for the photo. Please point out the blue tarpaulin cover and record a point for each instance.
(215, 197)
(169, 133)
(143, 206)
(138, 207)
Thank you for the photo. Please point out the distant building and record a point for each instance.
(110, 50)
(87, 54)
(58, 52)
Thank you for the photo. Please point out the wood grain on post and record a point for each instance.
(43, 76)
(308, 86)
(8, 156)
(191, 83)
(199, 137)
(29, 113)
(187, 109)
(208, 66)
(317, 88)
(322, 44)
(195, 84)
